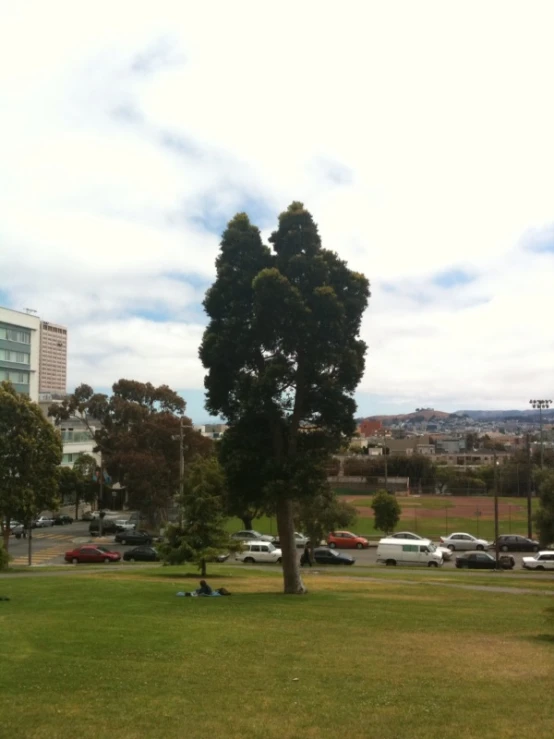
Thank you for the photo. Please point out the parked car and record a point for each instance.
(541, 561)
(108, 526)
(301, 540)
(62, 519)
(42, 522)
(420, 552)
(133, 537)
(123, 524)
(484, 561)
(324, 556)
(251, 535)
(512, 543)
(464, 542)
(89, 516)
(91, 553)
(141, 554)
(15, 528)
(346, 540)
(258, 551)
(445, 551)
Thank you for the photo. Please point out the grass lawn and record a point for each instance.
(116, 654)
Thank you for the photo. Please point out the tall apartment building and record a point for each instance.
(53, 358)
(20, 351)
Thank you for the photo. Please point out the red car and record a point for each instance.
(91, 553)
(346, 540)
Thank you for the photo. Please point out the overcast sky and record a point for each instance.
(419, 135)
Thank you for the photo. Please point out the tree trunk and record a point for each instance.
(292, 581)
(246, 522)
(6, 537)
(203, 571)
(76, 507)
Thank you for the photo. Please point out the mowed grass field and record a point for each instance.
(430, 515)
(117, 654)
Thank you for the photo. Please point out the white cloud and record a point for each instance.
(419, 135)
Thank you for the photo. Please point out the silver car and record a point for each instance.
(251, 535)
(464, 542)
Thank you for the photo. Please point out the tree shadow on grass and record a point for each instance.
(544, 638)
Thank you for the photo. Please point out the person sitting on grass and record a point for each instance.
(204, 589)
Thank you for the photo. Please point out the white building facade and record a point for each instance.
(20, 351)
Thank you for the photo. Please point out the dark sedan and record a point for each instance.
(330, 557)
(484, 561)
(133, 537)
(61, 519)
(512, 543)
(141, 554)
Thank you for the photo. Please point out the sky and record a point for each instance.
(419, 135)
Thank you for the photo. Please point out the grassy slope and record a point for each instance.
(117, 654)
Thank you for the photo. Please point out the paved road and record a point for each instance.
(49, 546)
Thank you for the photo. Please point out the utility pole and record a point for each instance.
(496, 511)
(529, 512)
(541, 404)
(101, 497)
(386, 463)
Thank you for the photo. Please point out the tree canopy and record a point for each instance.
(544, 517)
(386, 509)
(283, 359)
(30, 455)
(136, 430)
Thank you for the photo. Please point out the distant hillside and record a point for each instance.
(526, 415)
(425, 414)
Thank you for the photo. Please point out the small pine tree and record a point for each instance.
(201, 536)
(386, 509)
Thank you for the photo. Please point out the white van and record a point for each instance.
(258, 551)
(408, 552)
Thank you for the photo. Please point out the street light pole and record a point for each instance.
(529, 506)
(386, 463)
(496, 512)
(541, 404)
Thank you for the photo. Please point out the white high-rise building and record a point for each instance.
(20, 351)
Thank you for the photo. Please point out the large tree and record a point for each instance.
(284, 357)
(30, 455)
(137, 431)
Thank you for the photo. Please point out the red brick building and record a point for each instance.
(369, 428)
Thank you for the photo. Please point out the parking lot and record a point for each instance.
(50, 544)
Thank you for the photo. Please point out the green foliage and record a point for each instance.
(284, 357)
(386, 510)
(544, 517)
(202, 535)
(137, 431)
(317, 516)
(30, 454)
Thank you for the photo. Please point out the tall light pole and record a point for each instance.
(541, 404)
(496, 512)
